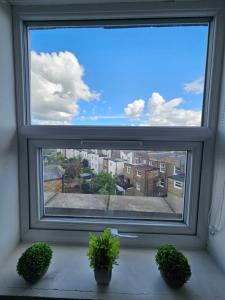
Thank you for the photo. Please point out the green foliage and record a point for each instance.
(105, 184)
(34, 262)
(173, 265)
(85, 187)
(60, 157)
(85, 170)
(103, 250)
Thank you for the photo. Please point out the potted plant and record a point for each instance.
(103, 253)
(173, 266)
(34, 262)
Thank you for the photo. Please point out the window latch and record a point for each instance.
(115, 232)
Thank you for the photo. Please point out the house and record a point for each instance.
(115, 167)
(143, 178)
(96, 162)
(168, 165)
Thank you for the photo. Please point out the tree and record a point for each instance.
(72, 169)
(105, 184)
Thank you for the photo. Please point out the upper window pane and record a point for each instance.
(129, 76)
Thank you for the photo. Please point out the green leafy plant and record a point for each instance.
(104, 184)
(103, 250)
(173, 266)
(34, 262)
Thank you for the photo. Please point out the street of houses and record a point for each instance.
(136, 173)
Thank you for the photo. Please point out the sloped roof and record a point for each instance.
(146, 168)
(53, 172)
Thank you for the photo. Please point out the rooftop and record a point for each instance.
(53, 172)
(145, 168)
(178, 177)
(72, 204)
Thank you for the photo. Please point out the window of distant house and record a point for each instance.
(138, 186)
(178, 184)
(139, 173)
(161, 182)
(176, 170)
(162, 167)
(128, 170)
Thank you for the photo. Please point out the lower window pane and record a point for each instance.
(114, 183)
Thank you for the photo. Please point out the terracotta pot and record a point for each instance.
(103, 276)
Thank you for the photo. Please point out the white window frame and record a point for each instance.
(162, 167)
(200, 141)
(178, 184)
(139, 173)
(175, 170)
(138, 186)
(128, 169)
(160, 182)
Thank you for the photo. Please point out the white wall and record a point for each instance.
(9, 204)
(216, 241)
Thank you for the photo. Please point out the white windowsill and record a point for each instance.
(136, 277)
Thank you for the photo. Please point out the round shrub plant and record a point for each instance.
(173, 266)
(34, 262)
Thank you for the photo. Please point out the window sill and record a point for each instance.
(136, 277)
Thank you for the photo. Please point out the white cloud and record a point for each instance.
(134, 109)
(100, 117)
(56, 87)
(168, 113)
(195, 87)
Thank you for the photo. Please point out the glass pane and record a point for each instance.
(130, 76)
(114, 183)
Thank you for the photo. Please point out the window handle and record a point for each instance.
(115, 232)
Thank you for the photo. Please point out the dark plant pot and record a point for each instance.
(174, 284)
(103, 276)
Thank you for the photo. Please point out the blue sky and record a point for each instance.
(123, 65)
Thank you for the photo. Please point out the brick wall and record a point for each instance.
(53, 186)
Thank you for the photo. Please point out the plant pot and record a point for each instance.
(103, 276)
(174, 284)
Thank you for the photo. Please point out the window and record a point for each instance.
(178, 184)
(162, 168)
(138, 186)
(70, 77)
(176, 170)
(161, 182)
(71, 188)
(128, 170)
(139, 173)
(79, 93)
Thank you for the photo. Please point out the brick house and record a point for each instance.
(53, 178)
(143, 178)
(167, 166)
